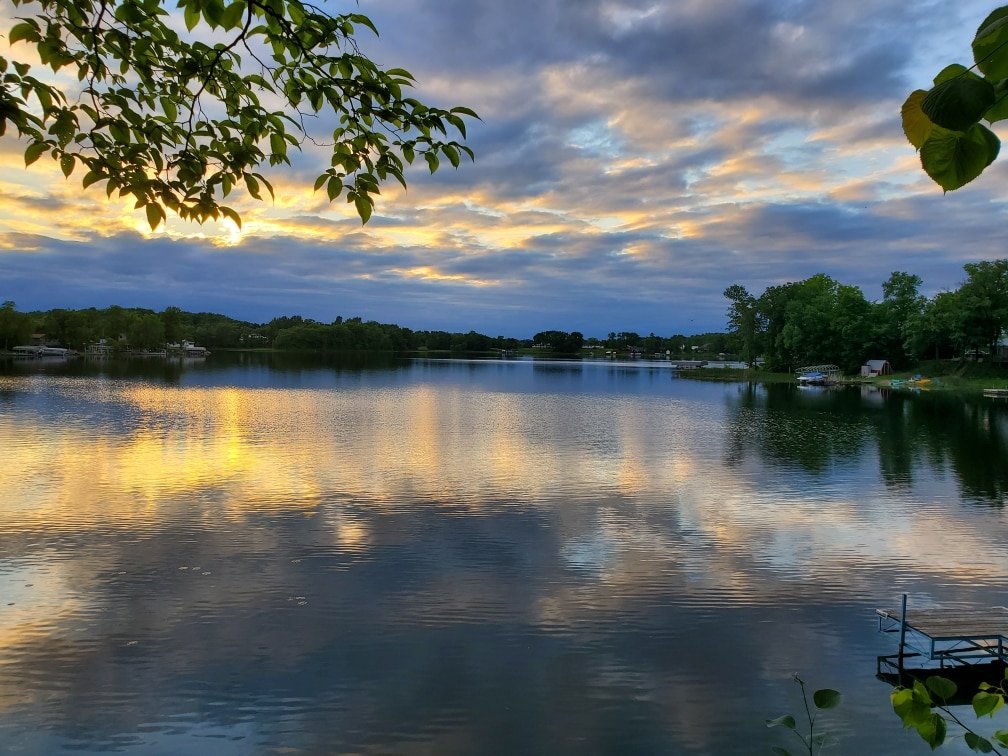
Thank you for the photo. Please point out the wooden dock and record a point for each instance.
(939, 639)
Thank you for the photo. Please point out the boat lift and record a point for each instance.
(944, 639)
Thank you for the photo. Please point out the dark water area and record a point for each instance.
(258, 554)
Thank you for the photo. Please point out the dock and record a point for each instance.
(949, 641)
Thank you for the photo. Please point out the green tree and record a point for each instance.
(943, 123)
(69, 328)
(15, 327)
(898, 313)
(146, 332)
(171, 320)
(177, 123)
(853, 327)
(984, 302)
(745, 321)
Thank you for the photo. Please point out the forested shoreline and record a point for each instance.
(820, 320)
(817, 320)
(140, 329)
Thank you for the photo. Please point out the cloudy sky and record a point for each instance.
(634, 159)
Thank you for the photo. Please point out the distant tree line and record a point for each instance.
(141, 328)
(819, 320)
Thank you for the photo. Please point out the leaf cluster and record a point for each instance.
(944, 122)
(178, 109)
(924, 708)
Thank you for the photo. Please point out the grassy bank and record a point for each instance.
(968, 377)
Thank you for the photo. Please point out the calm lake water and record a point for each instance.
(256, 555)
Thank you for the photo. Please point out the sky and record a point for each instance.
(634, 158)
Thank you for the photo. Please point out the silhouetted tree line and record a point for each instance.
(140, 328)
(819, 320)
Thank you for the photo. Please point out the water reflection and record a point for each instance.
(445, 557)
(914, 434)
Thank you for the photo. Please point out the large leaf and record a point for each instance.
(989, 45)
(933, 730)
(950, 72)
(978, 743)
(952, 159)
(912, 706)
(943, 688)
(826, 698)
(916, 125)
(958, 103)
(986, 703)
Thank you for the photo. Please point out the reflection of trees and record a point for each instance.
(814, 430)
(974, 435)
(969, 435)
(788, 426)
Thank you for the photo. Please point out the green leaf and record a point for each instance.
(278, 145)
(977, 743)
(230, 213)
(24, 31)
(233, 14)
(155, 214)
(999, 110)
(953, 159)
(67, 163)
(933, 730)
(958, 103)
(452, 153)
(916, 125)
(252, 185)
(943, 688)
(192, 15)
(432, 160)
(33, 152)
(989, 45)
(334, 187)
(985, 703)
(91, 177)
(785, 721)
(951, 72)
(364, 206)
(213, 12)
(826, 698)
(170, 111)
(1001, 736)
(910, 706)
(465, 111)
(267, 184)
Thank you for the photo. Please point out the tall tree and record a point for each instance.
(171, 320)
(141, 103)
(901, 307)
(746, 321)
(15, 327)
(984, 301)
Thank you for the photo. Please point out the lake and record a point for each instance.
(259, 554)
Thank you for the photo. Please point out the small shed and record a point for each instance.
(876, 367)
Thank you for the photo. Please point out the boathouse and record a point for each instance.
(875, 367)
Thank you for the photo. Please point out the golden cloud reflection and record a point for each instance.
(223, 454)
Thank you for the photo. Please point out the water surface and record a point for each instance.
(260, 555)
